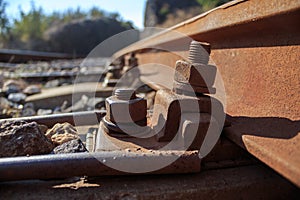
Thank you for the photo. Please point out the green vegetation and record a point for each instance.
(210, 4)
(30, 26)
(167, 11)
(28, 30)
(4, 26)
(207, 5)
(164, 10)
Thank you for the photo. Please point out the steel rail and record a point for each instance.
(207, 26)
(19, 56)
(89, 164)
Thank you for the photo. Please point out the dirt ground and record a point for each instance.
(247, 182)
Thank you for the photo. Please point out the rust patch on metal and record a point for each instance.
(275, 141)
(193, 74)
(120, 111)
(169, 106)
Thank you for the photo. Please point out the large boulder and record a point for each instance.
(20, 138)
(166, 13)
(81, 36)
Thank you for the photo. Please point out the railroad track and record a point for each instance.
(255, 46)
(41, 71)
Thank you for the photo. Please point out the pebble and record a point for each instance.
(28, 112)
(13, 86)
(32, 89)
(4, 103)
(17, 97)
(61, 133)
(52, 83)
(44, 112)
(72, 146)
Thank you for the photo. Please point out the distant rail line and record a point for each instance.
(22, 56)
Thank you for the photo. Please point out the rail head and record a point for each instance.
(231, 14)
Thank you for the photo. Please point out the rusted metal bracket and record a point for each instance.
(255, 46)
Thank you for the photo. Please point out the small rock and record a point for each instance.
(16, 97)
(52, 83)
(72, 146)
(96, 103)
(4, 103)
(29, 105)
(26, 112)
(43, 128)
(32, 89)
(13, 86)
(20, 138)
(61, 133)
(44, 112)
(57, 110)
(79, 105)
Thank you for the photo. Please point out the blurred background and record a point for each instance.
(76, 27)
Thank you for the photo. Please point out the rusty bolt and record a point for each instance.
(125, 94)
(196, 74)
(199, 52)
(125, 107)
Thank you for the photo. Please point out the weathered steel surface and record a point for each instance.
(250, 182)
(231, 17)
(126, 111)
(193, 74)
(275, 141)
(227, 154)
(93, 164)
(15, 56)
(255, 46)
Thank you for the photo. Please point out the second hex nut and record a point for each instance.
(125, 107)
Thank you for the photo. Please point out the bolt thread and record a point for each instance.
(199, 52)
(125, 94)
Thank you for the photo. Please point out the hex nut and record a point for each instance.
(125, 111)
(195, 74)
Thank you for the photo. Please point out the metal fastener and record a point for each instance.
(124, 108)
(196, 75)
